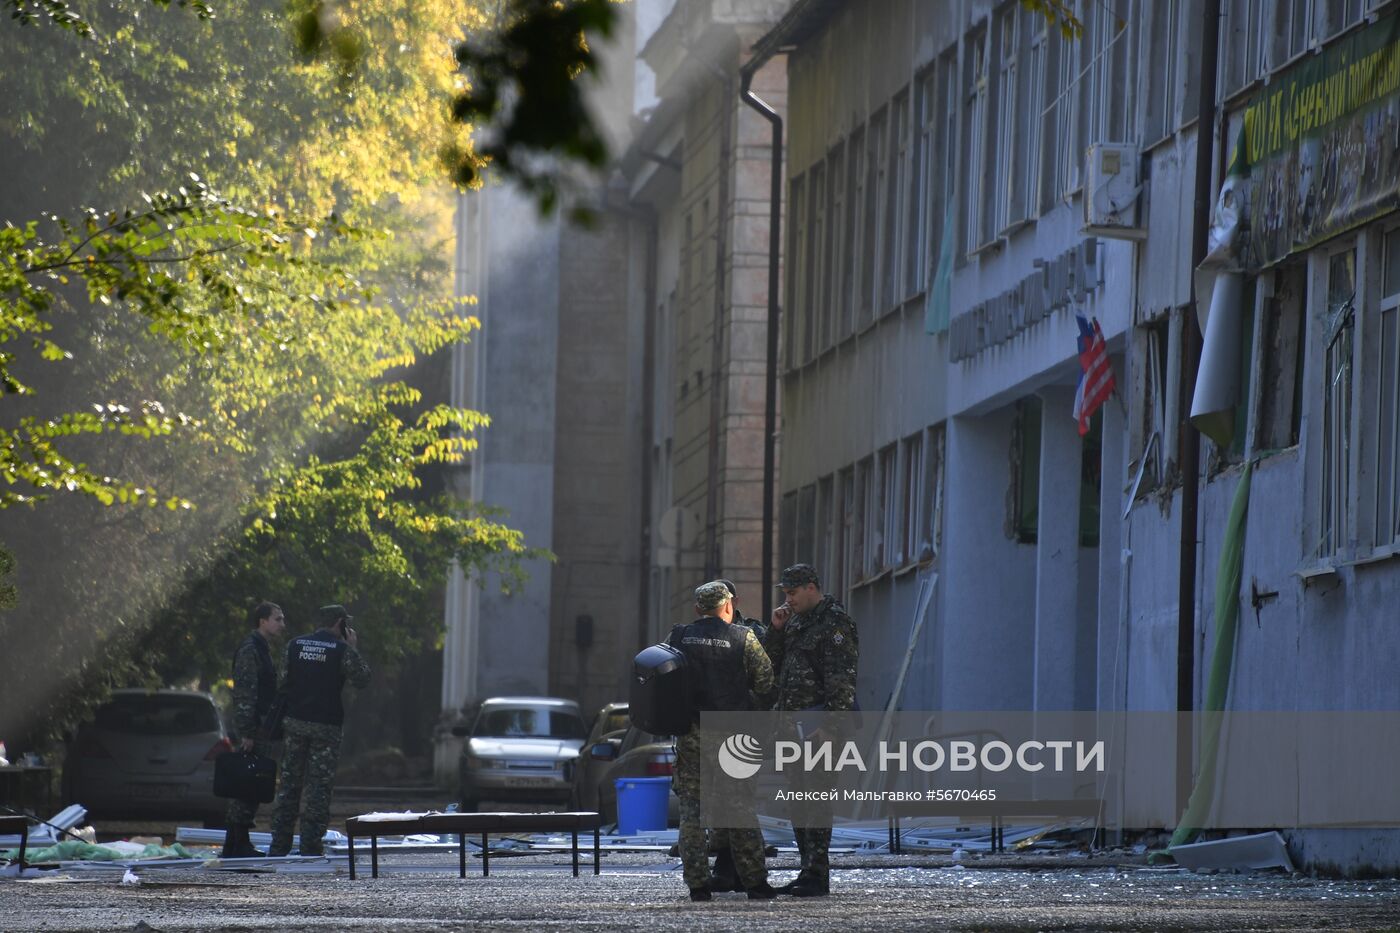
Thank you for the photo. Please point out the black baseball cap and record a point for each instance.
(333, 613)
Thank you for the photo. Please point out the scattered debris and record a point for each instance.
(47, 832)
(130, 877)
(1242, 853)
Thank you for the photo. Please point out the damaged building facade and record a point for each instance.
(962, 179)
(961, 182)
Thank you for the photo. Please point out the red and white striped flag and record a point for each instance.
(1096, 379)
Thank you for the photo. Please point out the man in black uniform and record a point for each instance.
(254, 686)
(725, 875)
(318, 665)
(726, 664)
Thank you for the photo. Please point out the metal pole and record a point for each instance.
(1190, 437)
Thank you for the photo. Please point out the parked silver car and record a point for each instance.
(519, 748)
(148, 754)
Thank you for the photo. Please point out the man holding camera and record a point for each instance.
(318, 666)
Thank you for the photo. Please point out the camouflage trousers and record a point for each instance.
(243, 812)
(813, 842)
(310, 754)
(698, 775)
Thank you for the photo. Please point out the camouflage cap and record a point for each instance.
(798, 575)
(332, 614)
(711, 595)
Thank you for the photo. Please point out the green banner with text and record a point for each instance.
(1321, 144)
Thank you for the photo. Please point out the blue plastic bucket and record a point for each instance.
(642, 804)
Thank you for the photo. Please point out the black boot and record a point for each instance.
(237, 844)
(762, 891)
(811, 886)
(802, 876)
(699, 894)
(725, 877)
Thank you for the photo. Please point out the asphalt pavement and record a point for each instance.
(1060, 890)
(645, 891)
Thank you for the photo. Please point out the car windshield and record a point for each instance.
(528, 722)
(158, 715)
(615, 721)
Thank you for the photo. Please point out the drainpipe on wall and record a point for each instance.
(770, 380)
(1190, 437)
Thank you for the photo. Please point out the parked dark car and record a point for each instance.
(148, 754)
(518, 748)
(587, 771)
(630, 754)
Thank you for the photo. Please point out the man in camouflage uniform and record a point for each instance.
(318, 665)
(813, 645)
(726, 664)
(254, 686)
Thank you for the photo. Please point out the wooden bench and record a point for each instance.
(16, 826)
(995, 810)
(463, 825)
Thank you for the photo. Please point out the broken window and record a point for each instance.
(1025, 519)
(896, 194)
(845, 532)
(933, 525)
(883, 515)
(1280, 392)
(859, 526)
(918, 216)
(1338, 327)
(974, 160)
(825, 530)
(1154, 436)
(912, 513)
(855, 242)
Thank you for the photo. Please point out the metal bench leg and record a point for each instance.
(485, 856)
(461, 855)
(351, 840)
(374, 855)
(597, 853)
(574, 836)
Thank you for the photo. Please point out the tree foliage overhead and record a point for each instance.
(254, 357)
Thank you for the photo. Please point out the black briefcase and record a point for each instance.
(245, 776)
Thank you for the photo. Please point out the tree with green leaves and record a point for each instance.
(253, 370)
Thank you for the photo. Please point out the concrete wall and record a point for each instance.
(596, 468)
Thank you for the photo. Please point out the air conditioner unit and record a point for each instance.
(1112, 190)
